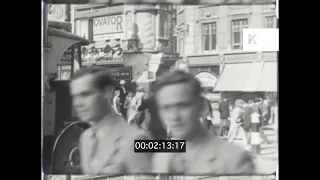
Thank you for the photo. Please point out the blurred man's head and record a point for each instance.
(91, 89)
(180, 103)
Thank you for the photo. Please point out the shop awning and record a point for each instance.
(66, 35)
(59, 41)
(248, 77)
(234, 77)
(268, 80)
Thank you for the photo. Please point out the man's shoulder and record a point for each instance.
(237, 159)
(85, 135)
(133, 133)
(231, 158)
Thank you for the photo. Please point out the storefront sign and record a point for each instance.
(108, 24)
(241, 58)
(66, 56)
(65, 65)
(123, 73)
(57, 13)
(105, 37)
(272, 56)
(206, 79)
(102, 53)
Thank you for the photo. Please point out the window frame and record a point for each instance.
(274, 21)
(211, 49)
(241, 32)
(166, 35)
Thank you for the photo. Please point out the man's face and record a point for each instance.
(179, 108)
(89, 102)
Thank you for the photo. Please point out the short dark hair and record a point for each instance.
(176, 77)
(224, 96)
(102, 80)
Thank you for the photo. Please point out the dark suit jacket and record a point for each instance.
(224, 110)
(246, 117)
(115, 152)
(208, 154)
(153, 123)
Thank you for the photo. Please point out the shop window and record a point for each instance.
(164, 25)
(84, 29)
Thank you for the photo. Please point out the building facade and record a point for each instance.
(212, 48)
(134, 41)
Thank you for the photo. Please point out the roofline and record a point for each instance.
(64, 34)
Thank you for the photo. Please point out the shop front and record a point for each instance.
(206, 69)
(247, 76)
(208, 81)
(127, 36)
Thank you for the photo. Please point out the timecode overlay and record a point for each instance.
(144, 146)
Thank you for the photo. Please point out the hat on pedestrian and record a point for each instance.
(122, 82)
(140, 89)
(239, 120)
(257, 99)
(239, 103)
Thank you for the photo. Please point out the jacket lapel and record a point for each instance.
(109, 149)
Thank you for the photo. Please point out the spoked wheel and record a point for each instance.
(66, 154)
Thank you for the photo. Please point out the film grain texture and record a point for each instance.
(117, 72)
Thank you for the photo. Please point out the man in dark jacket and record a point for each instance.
(257, 108)
(152, 122)
(122, 96)
(246, 117)
(224, 115)
(207, 116)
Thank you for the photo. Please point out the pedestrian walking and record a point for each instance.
(207, 116)
(257, 108)
(246, 117)
(266, 112)
(127, 103)
(235, 118)
(136, 117)
(123, 94)
(224, 115)
(116, 103)
(151, 122)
